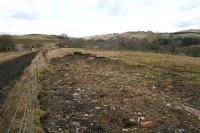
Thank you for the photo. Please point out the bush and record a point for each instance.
(192, 51)
(6, 43)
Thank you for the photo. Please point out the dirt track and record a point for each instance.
(11, 70)
(87, 94)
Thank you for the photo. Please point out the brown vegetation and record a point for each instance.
(125, 92)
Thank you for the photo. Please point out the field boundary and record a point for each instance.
(18, 111)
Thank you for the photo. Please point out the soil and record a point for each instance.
(10, 70)
(88, 94)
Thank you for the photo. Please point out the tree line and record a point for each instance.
(173, 44)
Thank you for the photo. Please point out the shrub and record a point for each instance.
(6, 43)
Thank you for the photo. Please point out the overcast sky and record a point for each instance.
(90, 17)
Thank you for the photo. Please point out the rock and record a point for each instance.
(139, 113)
(106, 75)
(135, 113)
(76, 124)
(57, 126)
(138, 74)
(94, 101)
(132, 120)
(125, 100)
(89, 116)
(142, 118)
(76, 96)
(105, 105)
(169, 105)
(125, 130)
(98, 108)
(138, 120)
(66, 75)
(154, 95)
(91, 58)
(147, 124)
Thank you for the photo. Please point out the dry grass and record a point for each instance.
(37, 37)
(11, 103)
(24, 84)
(165, 61)
(10, 55)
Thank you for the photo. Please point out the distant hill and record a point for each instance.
(185, 42)
(191, 30)
(181, 42)
(37, 37)
(143, 35)
(27, 42)
(129, 35)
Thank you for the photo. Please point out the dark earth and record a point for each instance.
(88, 94)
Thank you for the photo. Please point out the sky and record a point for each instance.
(80, 18)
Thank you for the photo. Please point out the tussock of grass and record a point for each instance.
(38, 114)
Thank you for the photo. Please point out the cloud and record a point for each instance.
(24, 15)
(89, 17)
(189, 23)
(102, 3)
(185, 24)
(111, 7)
(188, 5)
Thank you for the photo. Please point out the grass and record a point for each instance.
(37, 37)
(150, 60)
(24, 84)
(10, 55)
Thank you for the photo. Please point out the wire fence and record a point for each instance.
(22, 120)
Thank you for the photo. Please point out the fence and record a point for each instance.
(23, 102)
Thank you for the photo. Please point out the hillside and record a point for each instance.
(181, 43)
(37, 40)
(27, 42)
(36, 37)
(129, 35)
(191, 30)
